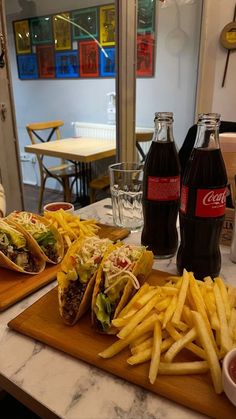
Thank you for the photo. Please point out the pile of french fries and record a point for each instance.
(70, 226)
(160, 321)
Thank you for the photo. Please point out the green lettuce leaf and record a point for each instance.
(15, 238)
(103, 310)
(45, 239)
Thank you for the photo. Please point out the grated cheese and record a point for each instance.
(92, 248)
(114, 268)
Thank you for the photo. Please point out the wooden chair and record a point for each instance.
(102, 183)
(44, 132)
(228, 149)
(230, 165)
(142, 137)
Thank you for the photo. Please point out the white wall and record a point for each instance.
(69, 100)
(172, 88)
(224, 98)
(212, 96)
(44, 100)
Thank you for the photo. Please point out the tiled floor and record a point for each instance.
(31, 194)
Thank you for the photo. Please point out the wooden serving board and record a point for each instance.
(15, 286)
(42, 322)
(112, 233)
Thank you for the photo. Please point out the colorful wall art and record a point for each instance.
(80, 43)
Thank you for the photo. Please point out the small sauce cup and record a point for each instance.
(229, 384)
(55, 206)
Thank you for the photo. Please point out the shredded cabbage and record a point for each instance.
(30, 222)
(92, 250)
(121, 261)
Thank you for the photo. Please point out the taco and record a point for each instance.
(77, 276)
(18, 251)
(121, 273)
(46, 237)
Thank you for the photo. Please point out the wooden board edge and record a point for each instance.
(215, 409)
(163, 390)
(21, 297)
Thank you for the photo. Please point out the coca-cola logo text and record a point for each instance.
(215, 198)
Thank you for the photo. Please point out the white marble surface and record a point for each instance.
(73, 389)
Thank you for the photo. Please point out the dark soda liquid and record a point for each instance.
(199, 249)
(160, 233)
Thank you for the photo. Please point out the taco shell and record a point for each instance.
(78, 297)
(12, 220)
(141, 270)
(6, 262)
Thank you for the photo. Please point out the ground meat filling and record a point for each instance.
(72, 297)
(21, 257)
(51, 253)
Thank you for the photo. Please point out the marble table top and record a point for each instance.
(70, 388)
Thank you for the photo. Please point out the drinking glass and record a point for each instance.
(126, 184)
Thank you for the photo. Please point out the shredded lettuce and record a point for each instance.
(103, 310)
(45, 239)
(13, 237)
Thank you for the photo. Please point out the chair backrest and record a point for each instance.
(187, 146)
(230, 165)
(44, 132)
(143, 137)
(50, 128)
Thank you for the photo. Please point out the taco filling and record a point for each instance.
(14, 246)
(116, 273)
(40, 232)
(77, 270)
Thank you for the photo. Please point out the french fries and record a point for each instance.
(207, 344)
(70, 226)
(159, 322)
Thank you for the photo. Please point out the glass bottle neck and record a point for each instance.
(207, 135)
(163, 132)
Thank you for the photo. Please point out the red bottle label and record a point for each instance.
(163, 188)
(209, 202)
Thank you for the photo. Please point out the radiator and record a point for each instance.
(84, 129)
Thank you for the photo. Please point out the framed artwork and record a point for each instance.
(67, 65)
(27, 66)
(88, 57)
(107, 62)
(107, 25)
(46, 62)
(62, 32)
(22, 37)
(146, 16)
(41, 30)
(80, 43)
(145, 55)
(85, 23)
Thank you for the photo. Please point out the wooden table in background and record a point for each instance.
(80, 150)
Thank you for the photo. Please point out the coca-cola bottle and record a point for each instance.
(203, 197)
(161, 190)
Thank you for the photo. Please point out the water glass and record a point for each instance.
(126, 184)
